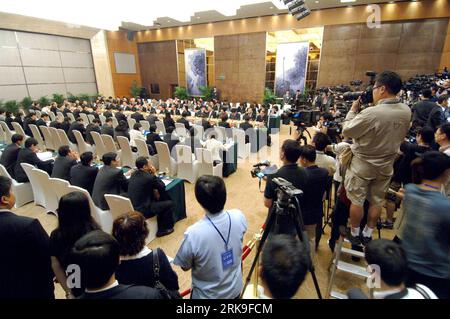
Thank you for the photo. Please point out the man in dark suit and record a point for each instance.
(64, 162)
(202, 112)
(25, 269)
(224, 121)
(107, 128)
(93, 127)
(206, 125)
(211, 114)
(9, 155)
(29, 119)
(78, 125)
(28, 155)
(170, 138)
(120, 116)
(152, 137)
(245, 126)
(184, 121)
(147, 193)
(235, 115)
(137, 116)
(83, 174)
(43, 120)
(110, 180)
(421, 110)
(151, 119)
(98, 255)
(437, 114)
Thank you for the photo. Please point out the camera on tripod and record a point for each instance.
(287, 190)
(257, 172)
(367, 95)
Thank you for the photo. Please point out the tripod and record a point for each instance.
(288, 206)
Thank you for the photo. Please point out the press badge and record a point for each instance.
(227, 259)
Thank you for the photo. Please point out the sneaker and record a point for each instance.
(365, 240)
(388, 225)
(352, 239)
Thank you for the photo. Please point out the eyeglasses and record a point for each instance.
(376, 87)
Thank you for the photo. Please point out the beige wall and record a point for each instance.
(241, 59)
(102, 64)
(409, 48)
(445, 59)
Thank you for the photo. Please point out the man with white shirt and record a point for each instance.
(320, 142)
(212, 247)
(215, 147)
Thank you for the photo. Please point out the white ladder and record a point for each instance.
(338, 265)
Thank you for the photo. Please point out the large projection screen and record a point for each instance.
(195, 61)
(291, 67)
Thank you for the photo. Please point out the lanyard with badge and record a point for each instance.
(227, 256)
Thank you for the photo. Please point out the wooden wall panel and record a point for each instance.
(445, 58)
(158, 62)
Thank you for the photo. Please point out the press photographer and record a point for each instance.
(378, 132)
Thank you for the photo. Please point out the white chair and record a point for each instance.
(115, 122)
(8, 132)
(38, 196)
(57, 143)
(108, 142)
(199, 131)
(206, 166)
(65, 140)
(127, 157)
(91, 118)
(160, 127)
(43, 183)
(143, 151)
(71, 117)
(85, 119)
(102, 217)
(19, 130)
(82, 145)
(102, 119)
(22, 191)
(145, 125)
(59, 116)
(99, 145)
(60, 187)
(2, 134)
(131, 121)
(243, 148)
(166, 162)
(47, 137)
(51, 115)
(38, 114)
(221, 133)
(37, 135)
(121, 205)
(187, 164)
(181, 131)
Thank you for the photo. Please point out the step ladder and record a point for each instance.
(338, 265)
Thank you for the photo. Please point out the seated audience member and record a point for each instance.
(107, 128)
(110, 180)
(25, 269)
(168, 121)
(137, 116)
(183, 120)
(313, 194)
(9, 119)
(171, 138)
(284, 266)
(136, 260)
(121, 130)
(320, 142)
(93, 127)
(245, 126)
(18, 118)
(422, 109)
(29, 119)
(120, 116)
(43, 120)
(66, 159)
(215, 147)
(83, 174)
(78, 126)
(28, 155)
(235, 116)
(393, 265)
(10, 153)
(443, 138)
(224, 121)
(136, 134)
(147, 193)
(426, 225)
(74, 221)
(65, 125)
(151, 138)
(98, 255)
(212, 247)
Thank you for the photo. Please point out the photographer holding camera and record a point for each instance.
(377, 132)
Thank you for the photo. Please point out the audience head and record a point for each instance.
(170, 129)
(321, 141)
(142, 163)
(443, 135)
(98, 255)
(426, 94)
(109, 121)
(45, 117)
(211, 193)
(308, 155)
(284, 266)
(425, 135)
(31, 143)
(443, 100)
(17, 139)
(246, 118)
(224, 117)
(137, 126)
(86, 158)
(290, 151)
(387, 85)
(431, 166)
(153, 128)
(7, 198)
(110, 159)
(130, 231)
(79, 120)
(185, 114)
(64, 150)
(97, 122)
(391, 258)
(123, 126)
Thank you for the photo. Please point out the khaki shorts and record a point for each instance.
(363, 181)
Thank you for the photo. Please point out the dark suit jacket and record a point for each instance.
(224, 124)
(171, 141)
(151, 119)
(65, 126)
(169, 122)
(105, 129)
(83, 176)
(40, 122)
(137, 116)
(26, 126)
(109, 180)
(9, 158)
(151, 139)
(62, 166)
(92, 128)
(121, 117)
(245, 126)
(140, 190)
(236, 116)
(436, 118)
(56, 125)
(124, 292)
(25, 269)
(28, 156)
(8, 122)
(421, 112)
(185, 123)
(78, 127)
(206, 125)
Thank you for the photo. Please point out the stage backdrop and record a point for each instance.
(292, 64)
(195, 61)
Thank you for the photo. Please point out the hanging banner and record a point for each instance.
(195, 62)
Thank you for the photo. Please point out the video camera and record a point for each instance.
(367, 95)
(256, 172)
(285, 192)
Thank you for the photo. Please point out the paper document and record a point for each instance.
(45, 156)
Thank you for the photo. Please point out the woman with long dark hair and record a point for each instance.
(74, 221)
(122, 130)
(168, 121)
